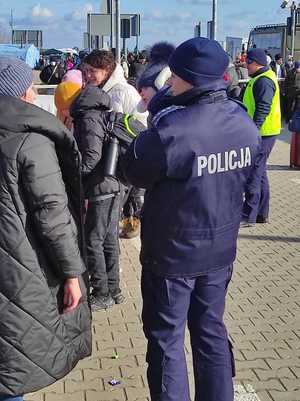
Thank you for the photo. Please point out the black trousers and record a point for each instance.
(133, 202)
(102, 236)
(290, 105)
(257, 193)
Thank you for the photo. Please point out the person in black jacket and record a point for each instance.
(103, 194)
(278, 66)
(280, 70)
(53, 73)
(292, 90)
(45, 325)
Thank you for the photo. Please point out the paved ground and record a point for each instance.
(263, 313)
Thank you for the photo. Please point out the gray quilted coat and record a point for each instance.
(40, 242)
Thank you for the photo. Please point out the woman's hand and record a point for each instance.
(72, 294)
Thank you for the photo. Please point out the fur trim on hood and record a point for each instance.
(159, 58)
(161, 52)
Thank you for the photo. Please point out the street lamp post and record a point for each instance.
(118, 31)
(89, 32)
(293, 17)
(294, 7)
(111, 11)
(215, 19)
(11, 23)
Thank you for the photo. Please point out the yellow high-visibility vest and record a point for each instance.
(272, 124)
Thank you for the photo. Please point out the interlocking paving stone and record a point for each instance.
(78, 396)
(285, 396)
(262, 313)
(72, 386)
(291, 384)
(112, 395)
(281, 373)
(35, 397)
(57, 388)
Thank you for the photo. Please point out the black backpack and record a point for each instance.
(121, 130)
(124, 127)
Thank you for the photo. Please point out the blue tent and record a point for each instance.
(29, 53)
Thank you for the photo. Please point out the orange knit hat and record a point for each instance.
(65, 94)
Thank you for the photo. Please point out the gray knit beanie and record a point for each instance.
(15, 76)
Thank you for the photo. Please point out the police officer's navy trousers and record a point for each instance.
(257, 194)
(168, 305)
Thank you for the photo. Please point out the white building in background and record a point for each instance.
(233, 46)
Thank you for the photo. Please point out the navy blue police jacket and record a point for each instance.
(194, 162)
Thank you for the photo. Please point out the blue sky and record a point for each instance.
(64, 21)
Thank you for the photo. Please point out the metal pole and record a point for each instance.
(137, 44)
(215, 19)
(118, 30)
(111, 10)
(293, 15)
(124, 46)
(89, 33)
(11, 23)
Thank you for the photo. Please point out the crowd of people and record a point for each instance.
(54, 67)
(158, 139)
(133, 65)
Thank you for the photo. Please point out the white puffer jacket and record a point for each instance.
(125, 97)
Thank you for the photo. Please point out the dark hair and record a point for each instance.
(102, 59)
(278, 57)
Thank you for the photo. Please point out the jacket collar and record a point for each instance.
(197, 95)
(260, 71)
(18, 117)
(211, 92)
(91, 98)
(117, 77)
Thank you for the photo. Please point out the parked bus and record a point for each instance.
(276, 39)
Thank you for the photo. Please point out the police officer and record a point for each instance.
(262, 99)
(194, 163)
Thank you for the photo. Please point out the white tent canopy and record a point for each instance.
(29, 53)
(69, 50)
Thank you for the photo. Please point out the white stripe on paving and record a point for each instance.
(296, 180)
(246, 393)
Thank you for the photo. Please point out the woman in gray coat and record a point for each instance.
(45, 325)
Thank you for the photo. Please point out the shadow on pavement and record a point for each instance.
(269, 238)
(279, 167)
